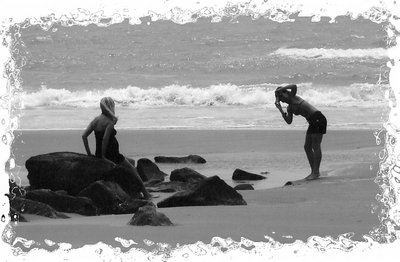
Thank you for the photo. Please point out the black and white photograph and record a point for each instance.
(228, 126)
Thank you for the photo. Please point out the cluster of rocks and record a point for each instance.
(67, 182)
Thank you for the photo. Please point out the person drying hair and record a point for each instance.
(316, 120)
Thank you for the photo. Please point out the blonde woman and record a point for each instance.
(107, 146)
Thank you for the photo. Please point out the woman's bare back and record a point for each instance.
(101, 122)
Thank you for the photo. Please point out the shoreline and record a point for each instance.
(225, 150)
(288, 128)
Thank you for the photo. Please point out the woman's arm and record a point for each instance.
(85, 135)
(287, 116)
(292, 88)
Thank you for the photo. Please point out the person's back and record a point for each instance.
(112, 151)
(299, 106)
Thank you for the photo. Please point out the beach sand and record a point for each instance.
(339, 203)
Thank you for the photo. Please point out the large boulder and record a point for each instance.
(149, 171)
(148, 216)
(27, 206)
(195, 159)
(186, 175)
(209, 192)
(239, 174)
(110, 198)
(67, 171)
(63, 202)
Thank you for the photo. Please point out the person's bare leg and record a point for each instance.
(143, 189)
(316, 140)
(309, 152)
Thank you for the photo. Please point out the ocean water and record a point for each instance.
(202, 75)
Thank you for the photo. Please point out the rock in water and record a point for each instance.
(149, 171)
(186, 175)
(64, 203)
(195, 159)
(67, 171)
(244, 187)
(239, 174)
(148, 216)
(210, 192)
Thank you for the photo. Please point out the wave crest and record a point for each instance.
(322, 53)
(359, 95)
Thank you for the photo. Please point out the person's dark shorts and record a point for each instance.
(317, 123)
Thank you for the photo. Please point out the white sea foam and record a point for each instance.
(359, 95)
(323, 53)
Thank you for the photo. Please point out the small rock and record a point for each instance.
(239, 174)
(148, 216)
(209, 192)
(149, 171)
(186, 175)
(244, 187)
(195, 159)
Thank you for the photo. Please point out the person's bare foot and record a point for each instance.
(312, 177)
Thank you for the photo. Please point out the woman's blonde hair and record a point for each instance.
(107, 107)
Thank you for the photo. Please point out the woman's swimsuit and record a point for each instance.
(112, 152)
(317, 121)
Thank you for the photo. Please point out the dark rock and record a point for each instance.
(110, 198)
(149, 171)
(61, 192)
(63, 202)
(27, 206)
(186, 175)
(239, 174)
(127, 181)
(130, 160)
(152, 182)
(209, 192)
(148, 216)
(244, 187)
(67, 171)
(195, 159)
(171, 186)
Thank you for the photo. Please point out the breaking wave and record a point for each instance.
(322, 53)
(358, 95)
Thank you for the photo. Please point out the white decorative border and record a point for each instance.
(383, 239)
